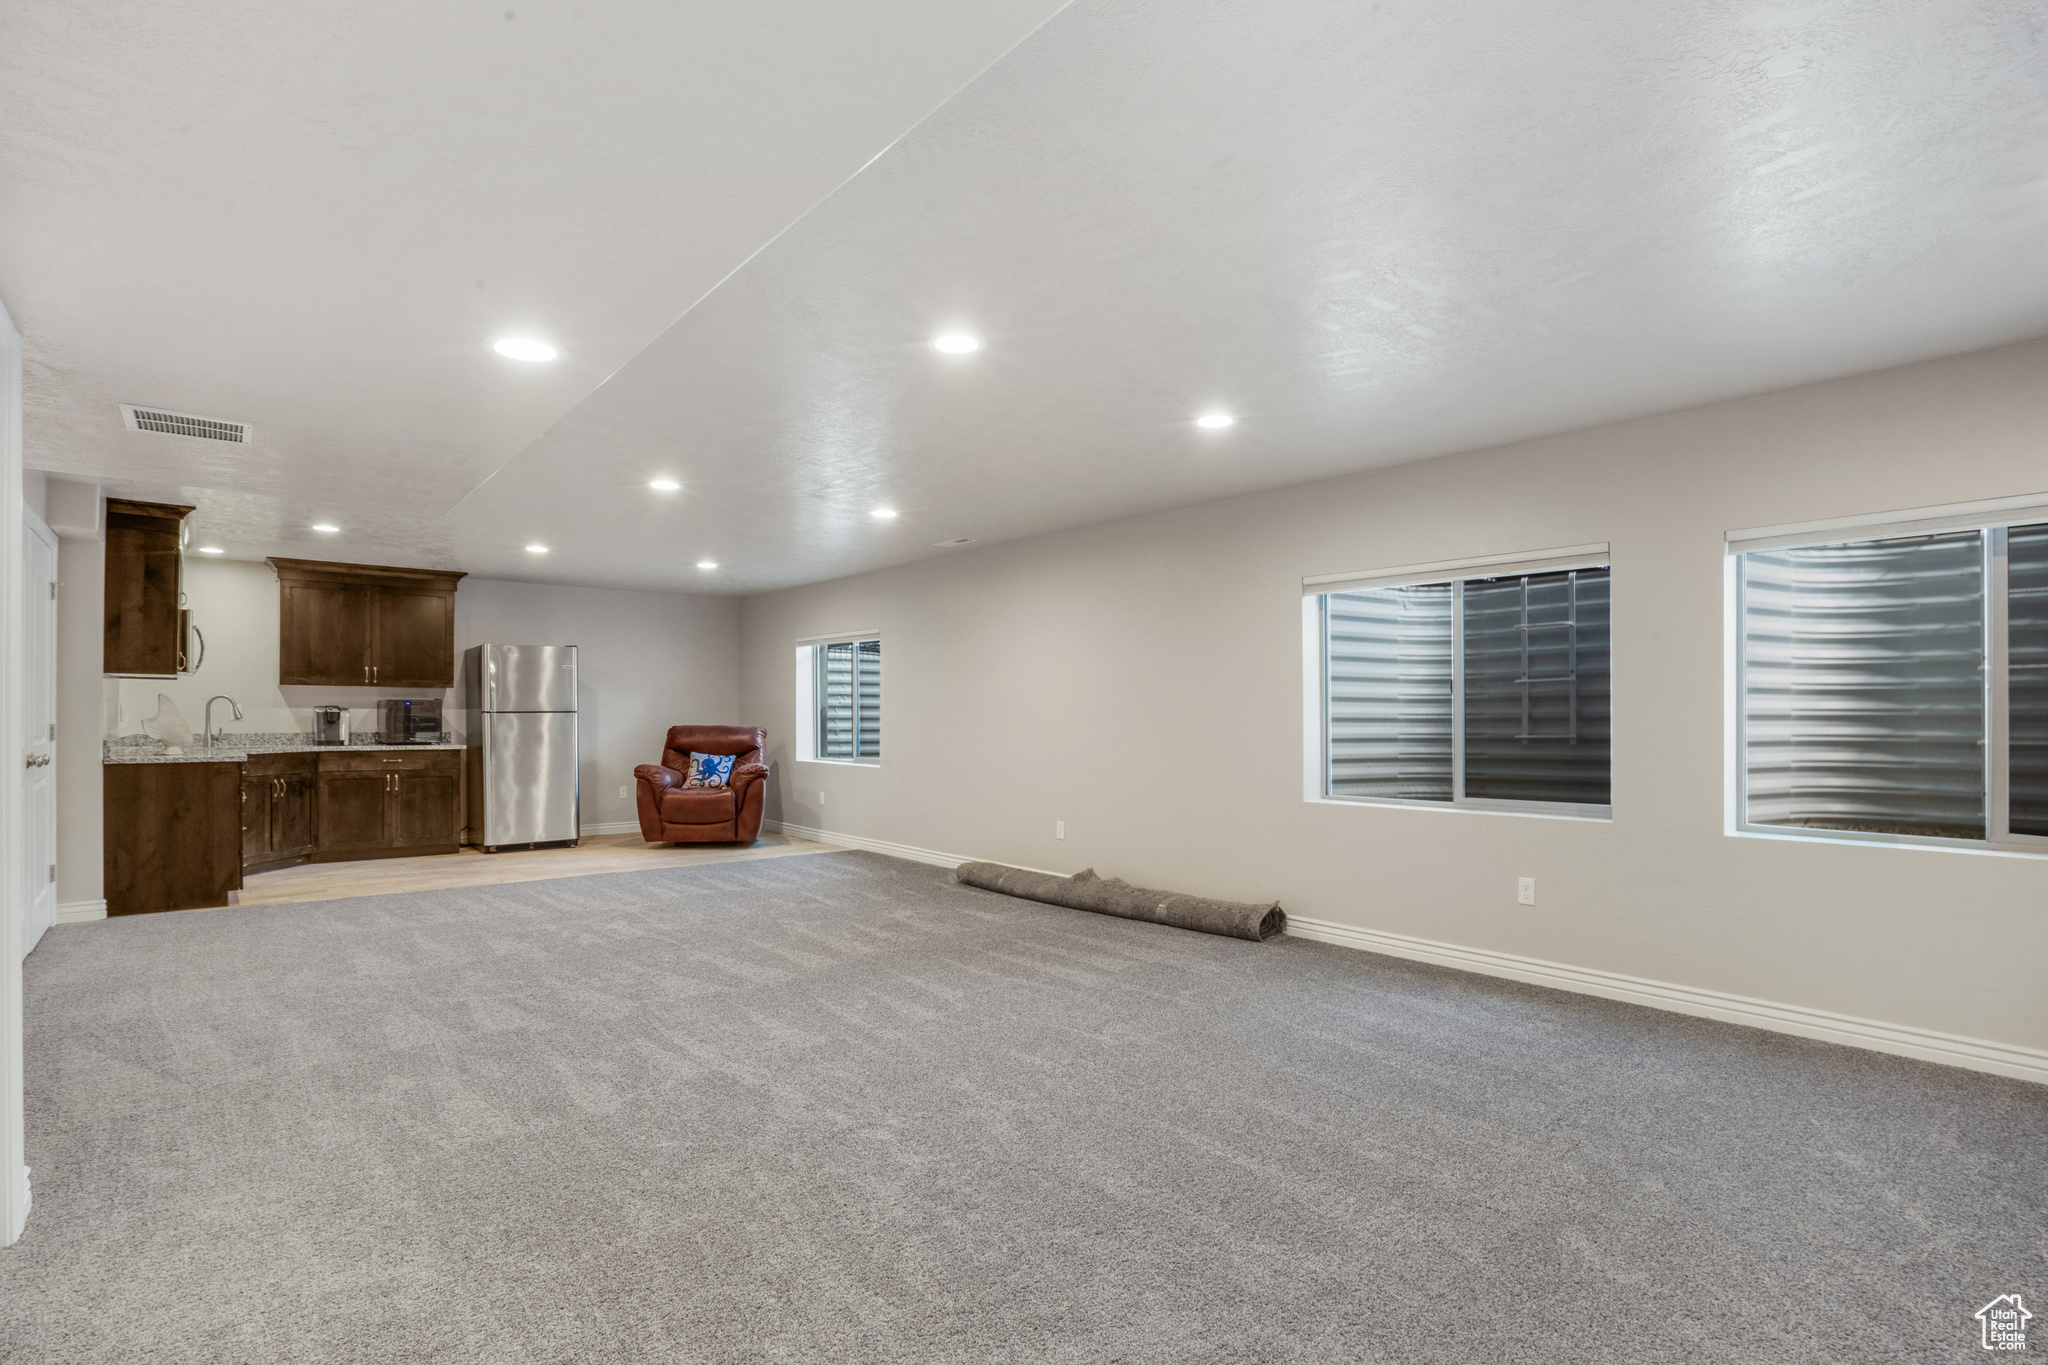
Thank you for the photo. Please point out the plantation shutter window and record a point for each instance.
(1388, 653)
(867, 711)
(1489, 691)
(1537, 688)
(849, 692)
(1863, 686)
(1896, 687)
(2027, 645)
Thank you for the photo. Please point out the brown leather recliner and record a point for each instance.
(671, 813)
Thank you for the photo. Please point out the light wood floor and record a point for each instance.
(595, 854)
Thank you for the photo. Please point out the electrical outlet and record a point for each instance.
(1059, 829)
(622, 789)
(821, 798)
(1525, 891)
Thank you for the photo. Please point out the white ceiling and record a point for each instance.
(313, 218)
(1376, 233)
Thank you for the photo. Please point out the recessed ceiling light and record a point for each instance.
(211, 550)
(1213, 420)
(523, 348)
(665, 485)
(883, 514)
(536, 549)
(707, 563)
(956, 343)
(323, 526)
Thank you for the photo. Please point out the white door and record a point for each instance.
(39, 728)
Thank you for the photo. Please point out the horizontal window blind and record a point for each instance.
(1388, 692)
(1538, 688)
(1530, 720)
(850, 699)
(1863, 686)
(2027, 665)
(835, 705)
(867, 720)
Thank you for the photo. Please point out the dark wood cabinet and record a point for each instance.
(174, 839)
(364, 625)
(181, 835)
(144, 636)
(256, 796)
(292, 821)
(326, 634)
(278, 795)
(380, 804)
(426, 809)
(352, 812)
(415, 645)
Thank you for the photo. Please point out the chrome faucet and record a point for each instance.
(232, 706)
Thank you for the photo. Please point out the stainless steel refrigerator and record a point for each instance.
(522, 745)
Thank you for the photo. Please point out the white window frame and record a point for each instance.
(1991, 518)
(1315, 670)
(809, 715)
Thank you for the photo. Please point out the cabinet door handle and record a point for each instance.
(366, 672)
(373, 671)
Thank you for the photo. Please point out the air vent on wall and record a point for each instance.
(183, 424)
(949, 544)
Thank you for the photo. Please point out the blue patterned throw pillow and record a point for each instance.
(709, 770)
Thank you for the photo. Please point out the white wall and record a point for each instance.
(647, 660)
(1142, 681)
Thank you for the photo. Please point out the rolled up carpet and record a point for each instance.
(1115, 896)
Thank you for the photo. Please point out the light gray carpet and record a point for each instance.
(837, 1108)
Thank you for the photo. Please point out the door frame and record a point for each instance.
(14, 1197)
(34, 526)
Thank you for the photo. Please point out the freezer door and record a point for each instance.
(529, 677)
(529, 777)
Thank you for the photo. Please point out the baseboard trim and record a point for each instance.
(610, 827)
(1975, 1054)
(917, 855)
(81, 912)
(826, 836)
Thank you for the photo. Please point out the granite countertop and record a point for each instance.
(243, 748)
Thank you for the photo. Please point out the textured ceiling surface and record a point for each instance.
(314, 219)
(1373, 232)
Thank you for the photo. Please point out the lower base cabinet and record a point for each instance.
(181, 836)
(278, 796)
(385, 805)
(173, 835)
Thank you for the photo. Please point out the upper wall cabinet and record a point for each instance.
(145, 581)
(364, 625)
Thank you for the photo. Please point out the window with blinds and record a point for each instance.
(849, 693)
(1897, 687)
(2027, 667)
(1483, 691)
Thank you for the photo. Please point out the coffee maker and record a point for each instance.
(330, 725)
